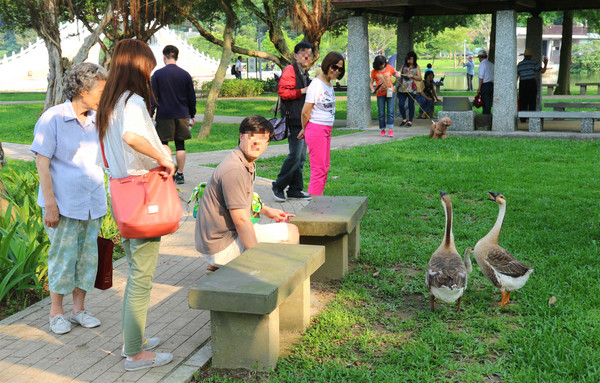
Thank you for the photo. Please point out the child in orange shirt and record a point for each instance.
(382, 76)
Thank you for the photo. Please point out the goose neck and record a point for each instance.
(494, 234)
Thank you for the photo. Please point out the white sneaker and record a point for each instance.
(85, 319)
(149, 344)
(59, 324)
(159, 360)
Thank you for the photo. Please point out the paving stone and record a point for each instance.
(110, 376)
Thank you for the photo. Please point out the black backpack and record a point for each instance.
(233, 69)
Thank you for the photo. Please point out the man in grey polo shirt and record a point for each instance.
(223, 226)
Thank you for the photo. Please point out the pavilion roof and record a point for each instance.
(460, 7)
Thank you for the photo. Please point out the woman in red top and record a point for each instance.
(381, 82)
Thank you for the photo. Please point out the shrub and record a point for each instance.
(23, 241)
(586, 57)
(237, 88)
(24, 244)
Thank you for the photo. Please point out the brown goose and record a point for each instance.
(446, 276)
(495, 262)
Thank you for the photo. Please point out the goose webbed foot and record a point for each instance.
(432, 303)
(459, 301)
(505, 298)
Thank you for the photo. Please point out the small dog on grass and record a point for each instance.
(438, 129)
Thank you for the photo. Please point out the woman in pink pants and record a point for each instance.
(318, 114)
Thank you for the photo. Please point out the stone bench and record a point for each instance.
(335, 223)
(460, 111)
(550, 88)
(561, 106)
(583, 87)
(536, 119)
(252, 298)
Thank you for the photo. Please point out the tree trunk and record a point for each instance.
(213, 94)
(492, 48)
(2, 159)
(564, 71)
(54, 94)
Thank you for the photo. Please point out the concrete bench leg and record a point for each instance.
(294, 312)
(550, 91)
(587, 125)
(246, 341)
(336, 256)
(535, 124)
(582, 90)
(354, 243)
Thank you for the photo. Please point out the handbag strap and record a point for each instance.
(276, 107)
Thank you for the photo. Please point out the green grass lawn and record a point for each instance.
(379, 327)
(225, 136)
(33, 96)
(17, 121)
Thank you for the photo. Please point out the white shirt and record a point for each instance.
(486, 71)
(238, 66)
(132, 117)
(77, 181)
(323, 98)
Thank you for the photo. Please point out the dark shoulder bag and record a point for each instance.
(279, 125)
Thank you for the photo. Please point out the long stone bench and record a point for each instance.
(536, 119)
(583, 87)
(550, 88)
(252, 298)
(335, 223)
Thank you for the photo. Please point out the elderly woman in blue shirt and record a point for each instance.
(72, 194)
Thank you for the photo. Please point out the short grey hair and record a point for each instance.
(82, 76)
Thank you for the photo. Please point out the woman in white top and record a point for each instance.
(318, 114)
(132, 147)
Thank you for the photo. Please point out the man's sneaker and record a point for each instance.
(149, 344)
(179, 180)
(298, 194)
(159, 360)
(85, 319)
(59, 324)
(390, 133)
(382, 134)
(278, 194)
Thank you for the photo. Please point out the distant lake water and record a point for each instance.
(458, 81)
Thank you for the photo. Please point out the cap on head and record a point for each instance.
(482, 53)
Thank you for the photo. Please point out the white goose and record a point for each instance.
(496, 263)
(446, 276)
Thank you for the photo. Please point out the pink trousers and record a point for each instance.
(318, 140)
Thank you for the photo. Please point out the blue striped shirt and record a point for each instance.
(77, 182)
(528, 69)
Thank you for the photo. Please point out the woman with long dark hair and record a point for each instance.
(409, 74)
(132, 147)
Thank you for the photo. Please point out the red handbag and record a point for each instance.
(145, 206)
(478, 101)
(105, 265)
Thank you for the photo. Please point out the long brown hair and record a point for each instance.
(130, 70)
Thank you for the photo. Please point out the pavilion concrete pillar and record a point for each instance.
(404, 42)
(359, 95)
(505, 73)
(533, 41)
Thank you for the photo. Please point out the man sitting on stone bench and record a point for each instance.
(223, 226)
